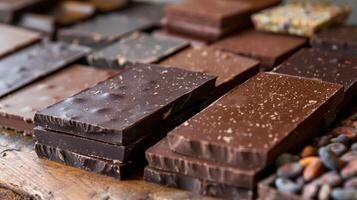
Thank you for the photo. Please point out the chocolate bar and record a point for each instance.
(9, 10)
(136, 48)
(214, 19)
(35, 62)
(340, 38)
(196, 185)
(300, 18)
(18, 109)
(92, 164)
(162, 33)
(108, 5)
(327, 66)
(13, 39)
(275, 50)
(262, 118)
(149, 11)
(102, 30)
(161, 157)
(71, 12)
(231, 69)
(123, 108)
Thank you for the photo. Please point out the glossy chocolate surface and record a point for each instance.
(196, 185)
(37, 61)
(126, 106)
(21, 106)
(327, 66)
(161, 157)
(136, 48)
(269, 49)
(13, 39)
(230, 69)
(265, 116)
(103, 29)
(341, 38)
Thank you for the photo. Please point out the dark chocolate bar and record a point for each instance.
(92, 164)
(196, 185)
(341, 38)
(161, 157)
(13, 39)
(149, 11)
(18, 109)
(262, 118)
(35, 62)
(327, 66)
(102, 30)
(125, 107)
(231, 69)
(269, 49)
(136, 48)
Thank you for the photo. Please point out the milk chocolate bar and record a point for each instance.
(269, 49)
(161, 157)
(102, 30)
(262, 118)
(136, 48)
(35, 62)
(327, 66)
(125, 107)
(340, 38)
(196, 185)
(92, 164)
(18, 109)
(231, 69)
(13, 39)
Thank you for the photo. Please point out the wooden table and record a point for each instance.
(24, 176)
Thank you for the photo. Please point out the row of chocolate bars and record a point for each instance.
(157, 80)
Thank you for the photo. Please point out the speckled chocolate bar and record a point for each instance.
(102, 30)
(262, 118)
(136, 48)
(35, 62)
(161, 157)
(18, 109)
(92, 164)
(127, 106)
(196, 185)
(231, 69)
(269, 49)
(340, 38)
(327, 66)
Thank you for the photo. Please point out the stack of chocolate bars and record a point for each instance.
(222, 150)
(107, 128)
(210, 20)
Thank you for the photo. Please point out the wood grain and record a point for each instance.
(31, 177)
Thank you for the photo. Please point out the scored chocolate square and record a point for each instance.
(102, 30)
(18, 109)
(269, 49)
(13, 39)
(262, 118)
(327, 66)
(161, 157)
(231, 69)
(34, 62)
(340, 38)
(136, 48)
(127, 106)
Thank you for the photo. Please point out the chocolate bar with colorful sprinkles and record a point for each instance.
(257, 121)
(35, 62)
(135, 48)
(324, 65)
(127, 106)
(196, 185)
